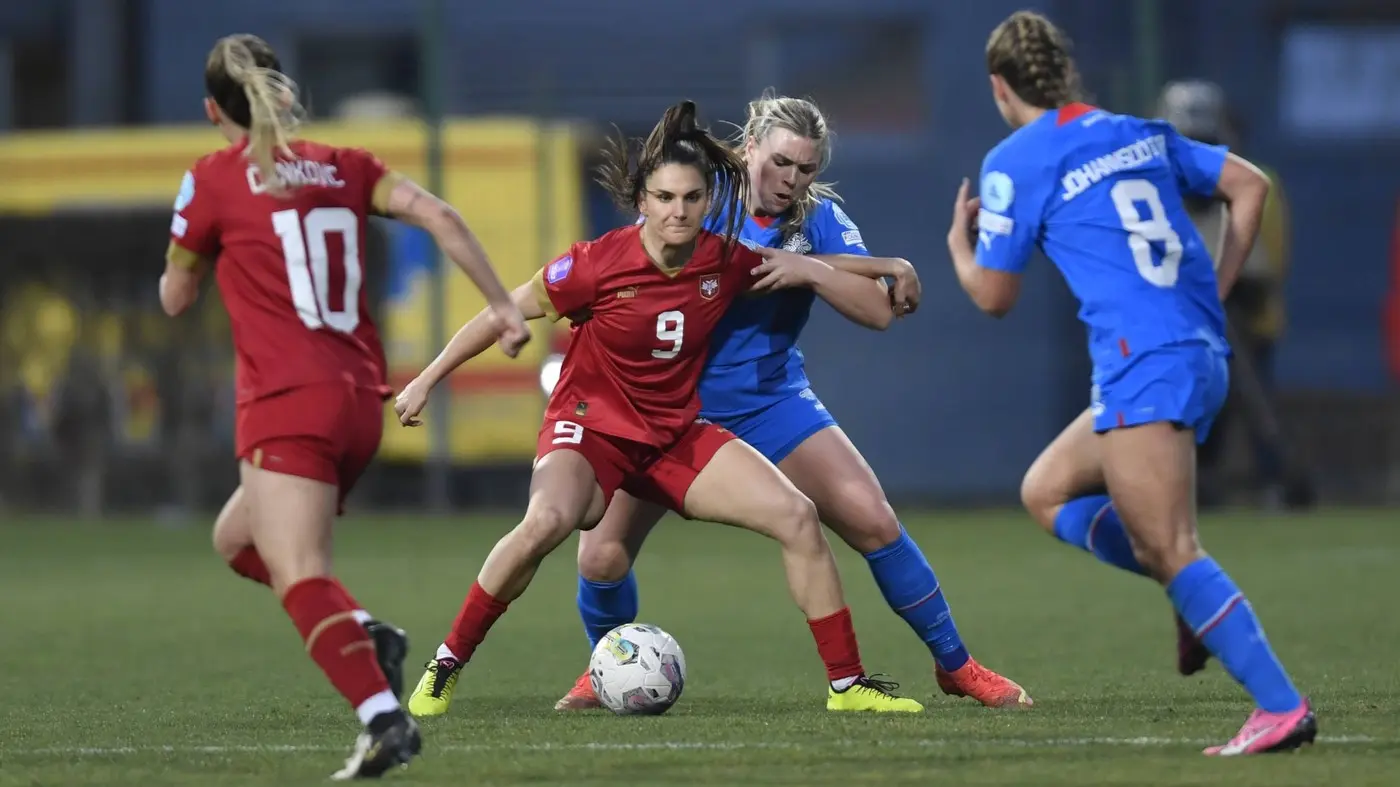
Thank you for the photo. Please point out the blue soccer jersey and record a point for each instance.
(1101, 194)
(754, 360)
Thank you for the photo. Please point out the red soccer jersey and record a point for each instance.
(633, 367)
(290, 270)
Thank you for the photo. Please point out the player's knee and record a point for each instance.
(1041, 496)
(545, 526)
(603, 559)
(866, 522)
(796, 522)
(226, 542)
(1165, 551)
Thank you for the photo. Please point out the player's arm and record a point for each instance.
(399, 198)
(471, 340)
(990, 271)
(1212, 171)
(193, 239)
(1246, 190)
(179, 284)
(859, 299)
(907, 291)
(480, 332)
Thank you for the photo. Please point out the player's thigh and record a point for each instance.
(1071, 466)
(730, 483)
(290, 518)
(827, 468)
(606, 553)
(1151, 474)
(576, 473)
(1155, 409)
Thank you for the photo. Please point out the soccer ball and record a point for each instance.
(637, 668)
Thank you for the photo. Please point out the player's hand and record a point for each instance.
(783, 269)
(511, 333)
(964, 217)
(907, 290)
(411, 401)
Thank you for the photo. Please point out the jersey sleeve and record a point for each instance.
(1009, 220)
(377, 180)
(1196, 165)
(566, 286)
(837, 233)
(194, 231)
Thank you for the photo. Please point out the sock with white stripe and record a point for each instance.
(1092, 524)
(1221, 616)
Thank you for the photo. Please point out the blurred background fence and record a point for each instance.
(111, 406)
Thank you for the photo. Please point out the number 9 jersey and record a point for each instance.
(1101, 194)
(289, 269)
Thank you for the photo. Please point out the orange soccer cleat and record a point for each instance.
(580, 697)
(976, 681)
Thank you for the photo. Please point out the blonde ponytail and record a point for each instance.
(274, 111)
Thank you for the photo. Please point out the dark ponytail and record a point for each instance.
(678, 139)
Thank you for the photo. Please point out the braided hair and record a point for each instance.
(1033, 56)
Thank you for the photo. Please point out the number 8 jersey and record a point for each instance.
(290, 269)
(1101, 195)
(642, 334)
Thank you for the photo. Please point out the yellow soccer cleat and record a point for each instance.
(433, 694)
(871, 695)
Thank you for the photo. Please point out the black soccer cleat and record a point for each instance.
(390, 741)
(391, 650)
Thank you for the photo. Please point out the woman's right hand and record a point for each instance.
(411, 401)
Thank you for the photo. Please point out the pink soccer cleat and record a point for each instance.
(1266, 732)
(981, 684)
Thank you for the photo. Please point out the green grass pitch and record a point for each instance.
(130, 655)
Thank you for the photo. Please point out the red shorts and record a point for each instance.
(662, 476)
(327, 432)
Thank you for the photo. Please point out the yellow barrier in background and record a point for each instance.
(517, 182)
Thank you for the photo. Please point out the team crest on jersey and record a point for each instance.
(709, 286)
(798, 244)
(559, 269)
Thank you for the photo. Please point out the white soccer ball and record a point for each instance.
(637, 668)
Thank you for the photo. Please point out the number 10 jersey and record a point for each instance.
(290, 268)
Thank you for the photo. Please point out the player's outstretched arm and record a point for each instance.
(907, 292)
(471, 340)
(410, 203)
(861, 300)
(1245, 188)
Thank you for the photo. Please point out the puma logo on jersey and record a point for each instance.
(627, 292)
(709, 286)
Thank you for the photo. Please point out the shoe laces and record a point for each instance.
(443, 676)
(877, 683)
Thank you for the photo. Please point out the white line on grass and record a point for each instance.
(989, 743)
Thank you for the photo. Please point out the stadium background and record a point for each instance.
(112, 407)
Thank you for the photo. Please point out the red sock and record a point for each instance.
(323, 614)
(836, 642)
(248, 563)
(479, 612)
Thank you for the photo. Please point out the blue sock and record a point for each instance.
(604, 606)
(1220, 615)
(912, 590)
(1092, 524)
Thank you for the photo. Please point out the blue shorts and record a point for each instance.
(1185, 384)
(779, 428)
